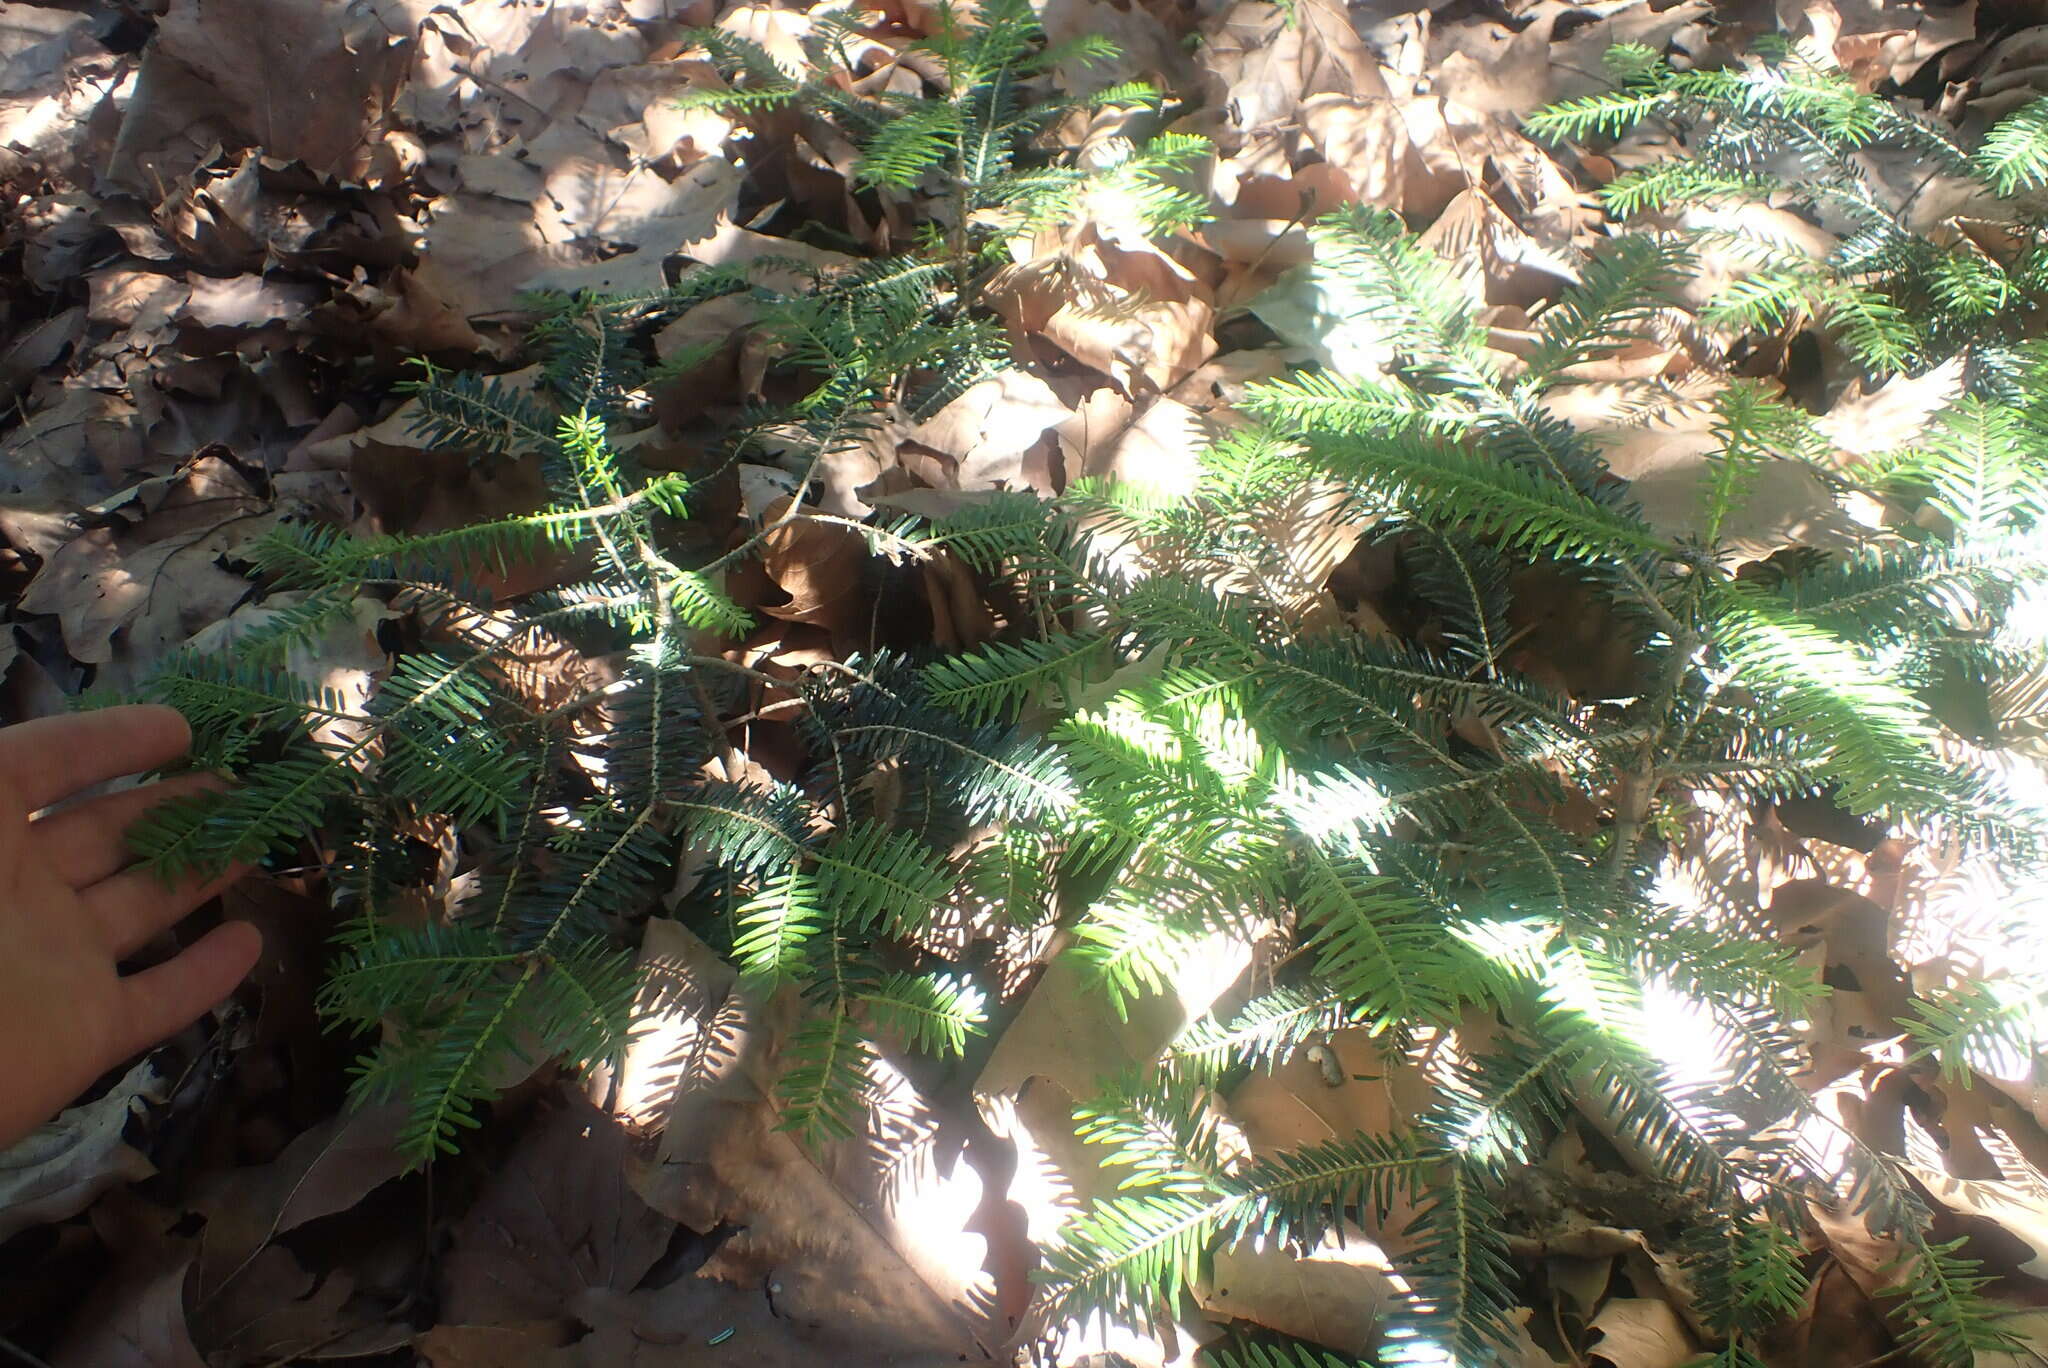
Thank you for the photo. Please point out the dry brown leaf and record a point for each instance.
(590, 224)
(1145, 345)
(1881, 40)
(246, 301)
(1495, 68)
(1666, 462)
(1269, 60)
(280, 1309)
(490, 1346)
(818, 566)
(1156, 442)
(780, 32)
(326, 1169)
(690, 1035)
(2012, 1208)
(1498, 262)
(141, 300)
(1365, 139)
(157, 580)
(1336, 1295)
(961, 619)
(37, 348)
(1146, 47)
(1641, 1332)
(730, 245)
(136, 1319)
(556, 1221)
(876, 1237)
(1864, 420)
(995, 432)
(311, 82)
(710, 325)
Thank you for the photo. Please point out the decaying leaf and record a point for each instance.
(56, 1171)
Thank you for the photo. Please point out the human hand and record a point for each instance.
(71, 908)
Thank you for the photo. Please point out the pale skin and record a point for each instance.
(73, 905)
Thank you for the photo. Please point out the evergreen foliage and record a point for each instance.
(1785, 130)
(1252, 769)
(584, 807)
(1173, 754)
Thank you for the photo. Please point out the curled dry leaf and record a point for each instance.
(57, 1170)
(819, 567)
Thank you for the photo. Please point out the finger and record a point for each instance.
(134, 906)
(52, 758)
(88, 842)
(170, 996)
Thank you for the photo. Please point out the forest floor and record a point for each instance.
(231, 225)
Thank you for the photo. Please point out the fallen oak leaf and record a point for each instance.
(1641, 1332)
(2014, 1211)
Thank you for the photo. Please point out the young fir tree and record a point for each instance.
(1201, 758)
(581, 808)
(1784, 130)
(1255, 770)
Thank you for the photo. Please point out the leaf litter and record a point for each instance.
(233, 229)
